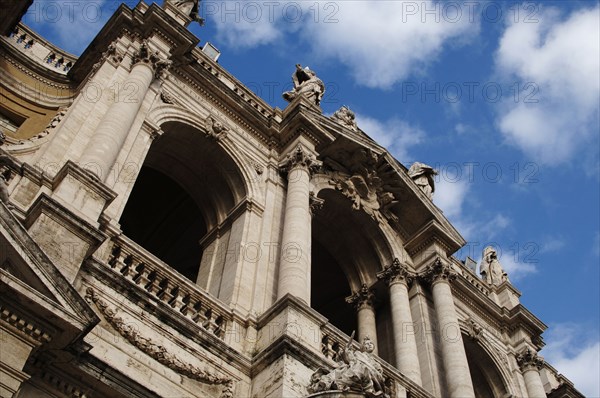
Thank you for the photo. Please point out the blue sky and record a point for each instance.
(501, 97)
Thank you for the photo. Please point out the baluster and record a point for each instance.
(176, 302)
(165, 293)
(127, 265)
(207, 324)
(219, 327)
(141, 277)
(186, 308)
(152, 287)
(198, 317)
(327, 347)
(115, 255)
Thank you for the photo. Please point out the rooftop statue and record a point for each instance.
(189, 8)
(490, 269)
(306, 83)
(345, 117)
(358, 371)
(422, 175)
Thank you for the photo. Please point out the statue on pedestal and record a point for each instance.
(358, 371)
(422, 175)
(306, 83)
(490, 269)
(189, 8)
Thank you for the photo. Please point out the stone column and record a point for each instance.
(456, 367)
(530, 365)
(398, 278)
(364, 302)
(103, 148)
(294, 267)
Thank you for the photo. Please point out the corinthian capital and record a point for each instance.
(365, 297)
(438, 271)
(300, 157)
(528, 359)
(153, 59)
(395, 273)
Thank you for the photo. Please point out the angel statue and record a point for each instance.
(422, 175)
(306, 83)
(358, 371)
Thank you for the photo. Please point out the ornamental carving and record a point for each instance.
(528, 360)
(145, 56)
(396, 272)
(189, 8)
(364, 298)
(361, 177)
(346, 118)
(438, 271)
(157, 352)
(216, 129)
(315, 203)
(300, 157)
(474, 330)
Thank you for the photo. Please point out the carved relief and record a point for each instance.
(316, 203)
(216, 129)
(396, 272)
(365, 297)
(345, 117)
(362, 182)
(157, 352)
(189, 8)
(474, 330)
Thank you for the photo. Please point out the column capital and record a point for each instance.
(438, 271)
(364, 298)
(152, 59)
(300, 157)
(396, 273)
(528, 359)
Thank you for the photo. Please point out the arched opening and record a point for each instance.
(486, 378)
(186, 187)
(348, 249)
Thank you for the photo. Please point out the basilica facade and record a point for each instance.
(167, 233)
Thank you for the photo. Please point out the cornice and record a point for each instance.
(24, 325)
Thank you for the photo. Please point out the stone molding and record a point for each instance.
(155, 351)
(396, 273)
(529, 360)
(23, 325)
(364, 298)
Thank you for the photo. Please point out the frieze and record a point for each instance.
(155, 351)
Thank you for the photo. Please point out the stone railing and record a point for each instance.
(473, 279)
(147, 272)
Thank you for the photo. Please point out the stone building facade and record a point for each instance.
(166, 233)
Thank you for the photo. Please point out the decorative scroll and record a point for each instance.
(158, 352)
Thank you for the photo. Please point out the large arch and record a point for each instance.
(486, 374)
(348, 249)
(187, 186)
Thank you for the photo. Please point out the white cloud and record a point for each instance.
(394, 134)
(516, 270)
(380, 42)
(562, 60)
(552, 244)
(450, 197)
(574, 351)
